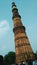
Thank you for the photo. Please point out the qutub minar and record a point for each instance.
(22, 45)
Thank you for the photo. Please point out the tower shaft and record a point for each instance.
(22, 45)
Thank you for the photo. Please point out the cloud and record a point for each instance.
(4, 26)
(3, 47)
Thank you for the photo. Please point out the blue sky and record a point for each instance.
(28, 11)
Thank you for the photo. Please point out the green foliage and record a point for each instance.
(1, 60)
(36, 54)
(9, 58)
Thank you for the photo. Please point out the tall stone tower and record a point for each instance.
(22, 45)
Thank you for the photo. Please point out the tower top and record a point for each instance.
(13, 4)
(15, 11)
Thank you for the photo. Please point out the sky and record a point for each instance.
(28, 11)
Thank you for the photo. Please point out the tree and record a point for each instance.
(9, 58)
(1, 60)
(36, 55)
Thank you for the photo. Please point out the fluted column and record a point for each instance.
(22, 44)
